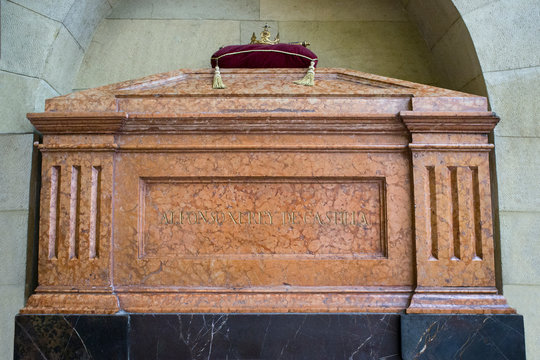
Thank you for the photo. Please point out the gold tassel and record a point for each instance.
(309, 78)
(217, 83)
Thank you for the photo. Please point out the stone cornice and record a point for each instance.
(449, 122)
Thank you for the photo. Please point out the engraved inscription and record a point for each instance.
(262, 217)
(183, 217)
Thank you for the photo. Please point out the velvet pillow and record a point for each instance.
(263, 56)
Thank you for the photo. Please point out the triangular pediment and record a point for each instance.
(251, 84)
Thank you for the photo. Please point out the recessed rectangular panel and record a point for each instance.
(262, 217)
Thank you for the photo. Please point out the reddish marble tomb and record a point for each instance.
(359, 194)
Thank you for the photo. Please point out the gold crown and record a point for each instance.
(265, 37)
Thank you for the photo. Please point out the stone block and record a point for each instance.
(266, 336)
(518, 171)
(26, 38)
(16, 92)
(455, 57)
(84, 17)
(510, 96)
(524, 298)
(54, 9)
(63, 62)
(466, 337)
(434, 18)
(392, 49)
(187, 9)
(520, 247)
(247, 28)
(322, 10)
(11, 300)
(496, 42)
(16, 162)
(71, 337)
(13, 242)
(141, 43)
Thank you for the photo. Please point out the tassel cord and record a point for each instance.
(217, 83)
(309, 78)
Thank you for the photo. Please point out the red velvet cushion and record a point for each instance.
(263, 56)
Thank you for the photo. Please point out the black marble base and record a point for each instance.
(269, 336)
(264, 336)
(70, 337)
(464, 337)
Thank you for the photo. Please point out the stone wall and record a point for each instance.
(370, 35)
(487, 47)
(41, 49)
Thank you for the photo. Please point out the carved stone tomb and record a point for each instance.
(360, 194)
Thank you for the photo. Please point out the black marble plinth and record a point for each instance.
(464, 337)
(70, 337)
(293, 336)
(269, 336)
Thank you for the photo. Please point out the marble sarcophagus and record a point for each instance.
(359, 194)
